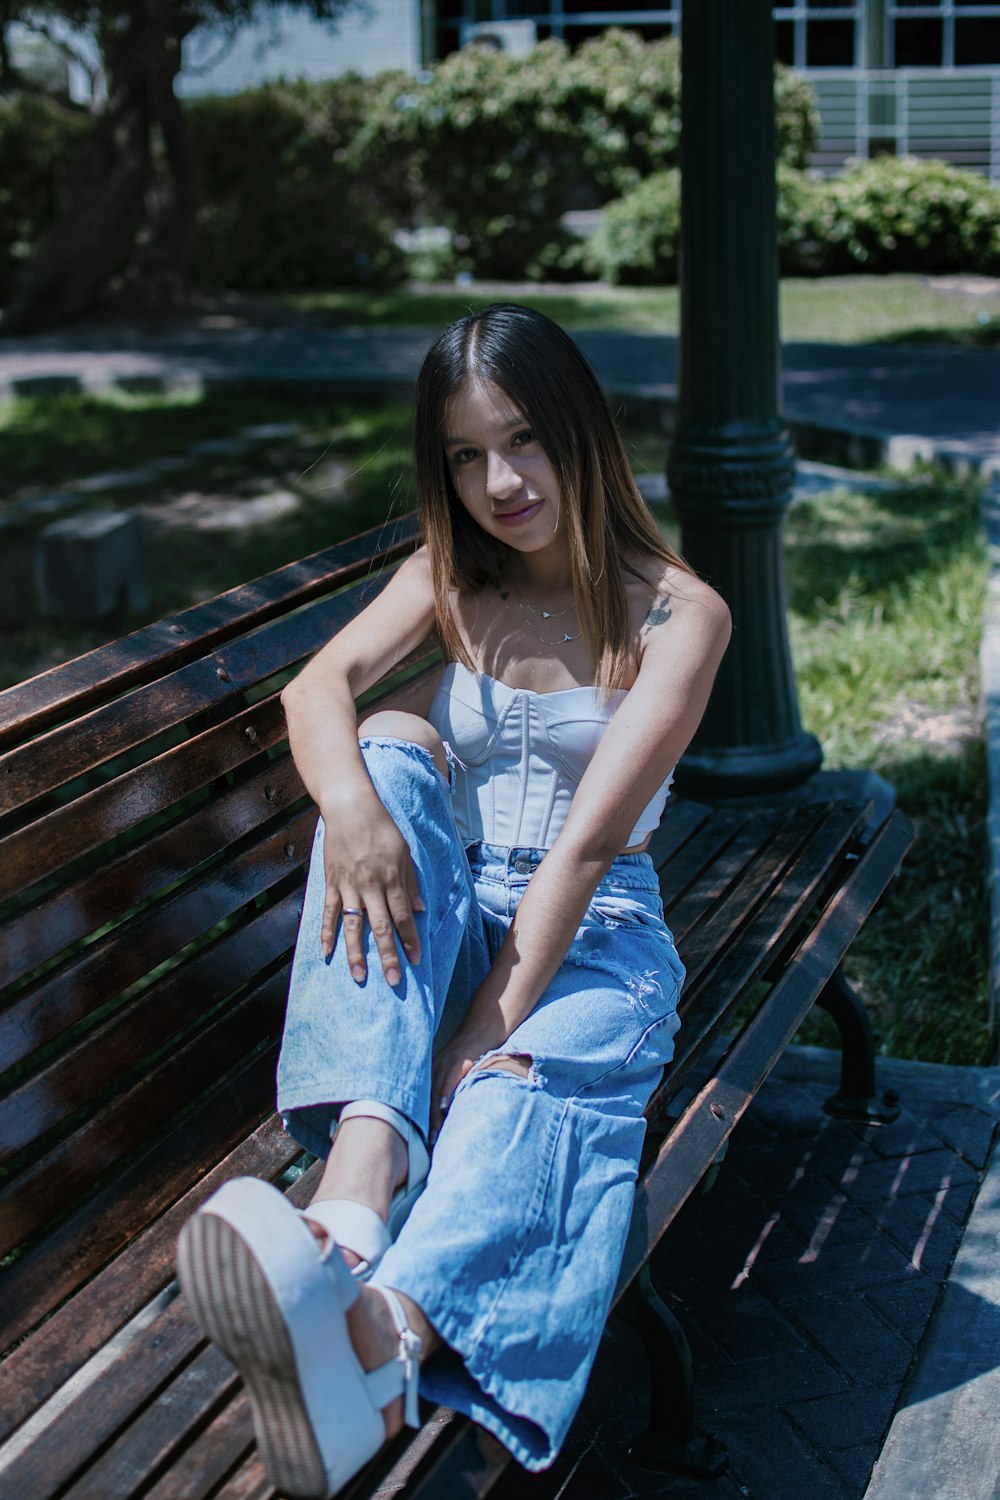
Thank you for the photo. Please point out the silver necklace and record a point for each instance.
(542, 614)
(563, 639)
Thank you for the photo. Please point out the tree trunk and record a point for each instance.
(130, 197)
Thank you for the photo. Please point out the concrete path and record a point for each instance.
(949, 398)
(807, 1280)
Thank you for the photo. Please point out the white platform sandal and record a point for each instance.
(255, 1281)
(355, 1226)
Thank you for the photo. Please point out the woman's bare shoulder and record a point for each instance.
(660, 591)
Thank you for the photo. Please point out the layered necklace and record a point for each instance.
(543, 614)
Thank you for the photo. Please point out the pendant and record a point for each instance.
(546, 614)
(566, 638)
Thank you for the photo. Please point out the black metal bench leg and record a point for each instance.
(671, 1441)
(857, 1097)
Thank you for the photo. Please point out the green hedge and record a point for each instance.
(286, 203)
(504, 145)
(37, 139)
(637, 238)
(303, 185)
(900, 214)
(888, 214)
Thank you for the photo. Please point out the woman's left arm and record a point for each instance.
(682, 642)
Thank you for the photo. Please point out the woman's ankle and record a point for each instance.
(368, 1161)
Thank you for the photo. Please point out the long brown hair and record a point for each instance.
(542, 371)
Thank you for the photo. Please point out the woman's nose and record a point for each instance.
(501, 478)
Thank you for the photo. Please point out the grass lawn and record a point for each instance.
(835, 309)
(886, 593)
(886, 596)
(226, 518)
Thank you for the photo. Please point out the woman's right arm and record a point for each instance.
(366, 859)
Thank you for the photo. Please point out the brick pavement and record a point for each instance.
(805, 1280)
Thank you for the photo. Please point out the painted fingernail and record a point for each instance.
(358, 973)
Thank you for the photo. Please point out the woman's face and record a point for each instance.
(500, 470)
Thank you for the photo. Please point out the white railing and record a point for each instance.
(952, 113)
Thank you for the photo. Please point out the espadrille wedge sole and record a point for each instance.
(257, 1284)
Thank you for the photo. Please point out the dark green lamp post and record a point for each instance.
(731, 466)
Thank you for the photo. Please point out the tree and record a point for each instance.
(129, 200)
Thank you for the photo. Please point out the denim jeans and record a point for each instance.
(514, 1248)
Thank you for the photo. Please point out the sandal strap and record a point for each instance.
(410, 1347)
(353, 1226)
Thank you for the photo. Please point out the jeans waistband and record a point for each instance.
(635, 871)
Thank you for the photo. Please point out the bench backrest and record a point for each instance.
(153, 836)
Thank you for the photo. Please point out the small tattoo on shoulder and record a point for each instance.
(658, 613)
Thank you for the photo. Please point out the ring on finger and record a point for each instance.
(351, 911)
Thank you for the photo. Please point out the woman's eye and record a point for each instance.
(521, 439)
(464, 455)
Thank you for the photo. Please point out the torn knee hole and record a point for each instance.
(518, 1063)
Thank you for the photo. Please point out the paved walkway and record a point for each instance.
(807, 1280)
(949, 398)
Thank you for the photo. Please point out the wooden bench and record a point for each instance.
(153, 841)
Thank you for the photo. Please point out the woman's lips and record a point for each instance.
(519, 517)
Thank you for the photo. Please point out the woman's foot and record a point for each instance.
(331, 1367)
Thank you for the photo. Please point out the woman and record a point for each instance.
(479, 889)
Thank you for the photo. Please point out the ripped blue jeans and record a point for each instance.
(514, 1248)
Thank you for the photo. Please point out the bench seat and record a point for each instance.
(153, 842)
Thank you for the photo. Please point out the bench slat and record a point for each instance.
(76, 989)
(112, 810)
(38, 1367)
(157, 1434)
(216, 1451)
(41, 933)
(678, 873)
(741, 964)
(694, 1141)
(107, 1056)
(74, 687)
(147, 712)
(812, 837)
(39, 1193)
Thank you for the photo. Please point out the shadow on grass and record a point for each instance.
(346, 471)
(890, 540)
(921, 960)
(982, 336)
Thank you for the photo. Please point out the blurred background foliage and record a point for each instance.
(338, 183)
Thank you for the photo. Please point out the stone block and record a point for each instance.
(90, 564)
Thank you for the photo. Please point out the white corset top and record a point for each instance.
(522, 755)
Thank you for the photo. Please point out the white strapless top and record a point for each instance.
(522, 755)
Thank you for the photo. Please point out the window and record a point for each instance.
(943, 34)
(818, 33)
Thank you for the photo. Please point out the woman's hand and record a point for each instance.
(456, 1058)
(370, 877)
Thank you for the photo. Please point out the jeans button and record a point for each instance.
(522, 866)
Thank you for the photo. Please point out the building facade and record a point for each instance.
(919, 78)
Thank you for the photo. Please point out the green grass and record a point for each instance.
(886, 594)
(345, 469)
(54, 439)
(835, 309)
